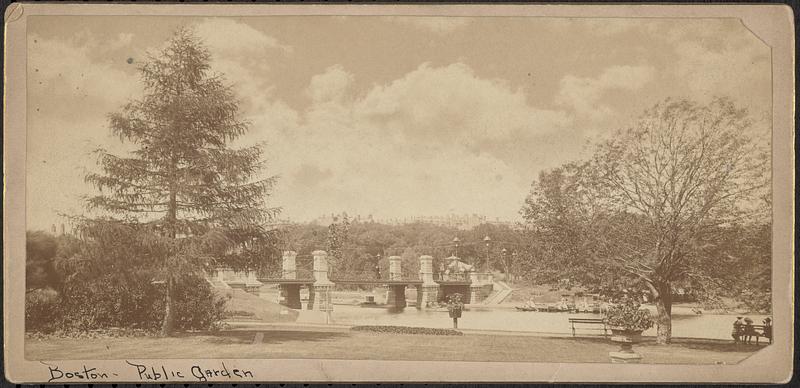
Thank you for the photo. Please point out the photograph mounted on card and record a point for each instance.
(245, 193)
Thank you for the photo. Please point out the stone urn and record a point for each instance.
(626, 339)
(627, 321)
(454, 308)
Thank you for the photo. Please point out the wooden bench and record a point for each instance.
(744, 333)
(589, 321)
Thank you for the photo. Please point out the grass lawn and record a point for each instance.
(239, 301)
(345, 344)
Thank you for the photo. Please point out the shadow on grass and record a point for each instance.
(713, 345)
(706, 344)
(270, 336)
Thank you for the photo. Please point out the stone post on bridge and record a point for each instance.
(290, 293)
(396, 293)
(395, 268)
(319, 296)
(474, 287)
(429, 290)
(289, 265)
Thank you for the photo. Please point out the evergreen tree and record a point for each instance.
(192, 197)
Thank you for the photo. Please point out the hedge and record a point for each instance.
(407, 330)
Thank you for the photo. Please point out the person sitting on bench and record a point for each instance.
(768, 328)
(737, 329)
(749, 330)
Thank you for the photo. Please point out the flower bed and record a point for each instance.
(111, 332)
(407, 330)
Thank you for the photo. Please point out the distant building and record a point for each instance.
(457, 221)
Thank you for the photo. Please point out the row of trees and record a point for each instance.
(682, 197)
(355, 246)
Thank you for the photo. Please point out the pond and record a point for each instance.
(683, 325)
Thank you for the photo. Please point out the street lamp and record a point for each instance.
(487, 240)
(456, 241)
(504, 261)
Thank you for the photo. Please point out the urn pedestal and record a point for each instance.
(626, 339)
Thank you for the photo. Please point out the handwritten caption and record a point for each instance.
(151, 372)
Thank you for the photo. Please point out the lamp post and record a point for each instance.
(377, 266)
(504, 259)
(513, 260)
(487, 240)
(456, 241)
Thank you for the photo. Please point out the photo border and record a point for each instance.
(772, 23)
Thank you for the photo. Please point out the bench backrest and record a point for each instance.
(586, 320)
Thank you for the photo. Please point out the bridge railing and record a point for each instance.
(484, 277)
(301, 272)
(370, 276)
(451, 277)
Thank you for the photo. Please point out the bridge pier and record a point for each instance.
(319, 295)
(428, 292)
(290, 293)
(396, 294)
(290, 296)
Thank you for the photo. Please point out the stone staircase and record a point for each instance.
(218, 284)
(501, 293)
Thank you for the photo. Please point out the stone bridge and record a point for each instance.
(321, 281)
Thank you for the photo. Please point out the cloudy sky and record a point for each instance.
(390, 116)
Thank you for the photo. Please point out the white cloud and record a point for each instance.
(418, 143)
(584, 94)
(330, 85)
(451, 104)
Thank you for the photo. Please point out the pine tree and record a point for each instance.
(197, 200)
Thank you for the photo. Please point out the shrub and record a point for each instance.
(117, 299)
(407, 330)
(41, 310)
(196, 306)
(629, 316)
(130, 300)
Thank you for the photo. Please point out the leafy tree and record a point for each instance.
(190, 197)
(679, 199)
(672, 180)
(338, 238)
(40, 252)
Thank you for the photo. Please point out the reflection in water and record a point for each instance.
(683, 325)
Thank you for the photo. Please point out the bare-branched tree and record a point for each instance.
(674, 179)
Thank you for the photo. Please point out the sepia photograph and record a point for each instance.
(434, 188)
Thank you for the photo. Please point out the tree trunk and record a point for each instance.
(167, 323)
(662, 297)
(172, 216)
